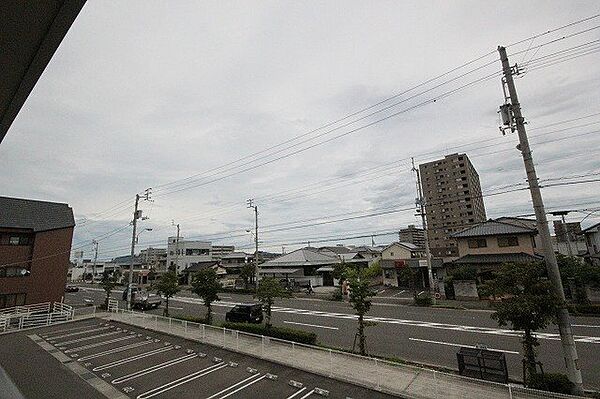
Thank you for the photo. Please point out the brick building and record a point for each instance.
(35, 246)
(453, 201)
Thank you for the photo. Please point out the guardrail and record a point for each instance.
(36, 315)
(36, 307)
(394, 378)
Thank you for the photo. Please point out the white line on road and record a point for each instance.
(132, 358)
(175, 307)
(243, 387)
(310, 325)
(464, 346)
(296, 393)
(90, 346)
(79, 332)
(308, 394)
(115, 350)
(183, 380)
(229, 388)
(401, 292)
(584, 325)
(73, 341)
(154, 368)
(71, 329)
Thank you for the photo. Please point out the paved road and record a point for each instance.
(124, 361)
(422, 335)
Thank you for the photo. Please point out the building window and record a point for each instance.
(14, 272)
(196, 251)
(477, 243)
(508, 241)
(10, 300)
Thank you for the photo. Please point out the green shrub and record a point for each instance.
(193, 319)
(288, 334)
(553, 382)
(337, 296)
(423, 300)
(237, 290)
(586, 309)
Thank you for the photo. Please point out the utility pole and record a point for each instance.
(95, 259)
(562, 214)
(176, 246)
(137, 214)
(512, 118)
(252, 205)
(420, 202)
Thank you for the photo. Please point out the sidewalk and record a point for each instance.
(403, 380)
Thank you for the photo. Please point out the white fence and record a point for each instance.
(394, 378)
(36, 315)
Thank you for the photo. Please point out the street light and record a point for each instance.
(138, 235)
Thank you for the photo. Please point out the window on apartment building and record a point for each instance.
(508, 241)
(14, 272)
(10, 300)
(16, 239)
(477, 243)
(197, 251)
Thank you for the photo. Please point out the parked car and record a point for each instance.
(246, 313)
(134, 289)
(144, 300)
(71, 288)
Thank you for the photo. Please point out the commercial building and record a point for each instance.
(453, 201)
(35, 244)
(218, 251)
(154, 258)
(412, 235)
(186, 253)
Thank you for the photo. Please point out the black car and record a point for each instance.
(71, 288)
(246, 313)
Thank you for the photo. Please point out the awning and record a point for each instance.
(278, 271)
(325, 269)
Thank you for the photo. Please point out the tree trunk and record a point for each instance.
(361, 335)
(166, 313)
(208, 313)
(268, 318)
(106, 300)
(529, 353)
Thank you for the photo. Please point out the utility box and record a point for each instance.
(483, 364)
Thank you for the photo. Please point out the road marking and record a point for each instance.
(464, 346)
(401, 292)
(308, 394)
(154, 368)
(71, 329)
(79, 332)
(297, 393)
(115, 350)
(584, 325)
(229, 388)
(226, 297)
(380, 292)
(183, 380)
(132, 358)
(90, 346)
(175, 307)
(73, 341)
(243, 387)
(310, 325)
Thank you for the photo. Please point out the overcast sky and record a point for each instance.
(143, 93)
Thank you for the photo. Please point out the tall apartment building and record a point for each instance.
(453, 201)
(413, 235)
(189, 252)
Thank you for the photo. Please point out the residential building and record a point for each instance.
(412, 235)
(488, 245)
(182, 254)
(399, 255)
(154, 258)
(592, 240)
(218, 251)
(189, 271)
(567, 238)
(35, 244)
(302, 267)
(86, 270)
(453, 201)
(234, 261)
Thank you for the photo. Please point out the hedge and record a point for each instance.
(237, 290)
(193, 319)
(553, 382)
(585, 309)
(288, 334)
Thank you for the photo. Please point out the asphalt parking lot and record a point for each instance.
(121, 361)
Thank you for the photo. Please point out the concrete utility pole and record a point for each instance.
(421, 204)
(137, 214)
(512, 117)
(562, 214)
(251, 205)
(176, 247)
(95, 259)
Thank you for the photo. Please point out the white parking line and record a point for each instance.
(115, 350)
(154, 368)
(132, 358)
(310, 325)
(183, 380)
(74, 341)
(243, 387)
(79, 332)
(97, 344)
(308, 394)
(296, 393)
(71, 329)
(465, 346)
(229, 388)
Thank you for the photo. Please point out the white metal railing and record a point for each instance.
(36, 315)
(381, 375)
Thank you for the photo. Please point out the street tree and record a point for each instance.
(267, 290)
(360, 281)
(528, 303)
(581, 274)
(167, 285)
(247, 274)
(205, 284)
(108, 283)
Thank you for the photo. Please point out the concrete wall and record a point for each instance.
(525, 245)
(465, 290)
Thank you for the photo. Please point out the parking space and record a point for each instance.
(144, 364)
